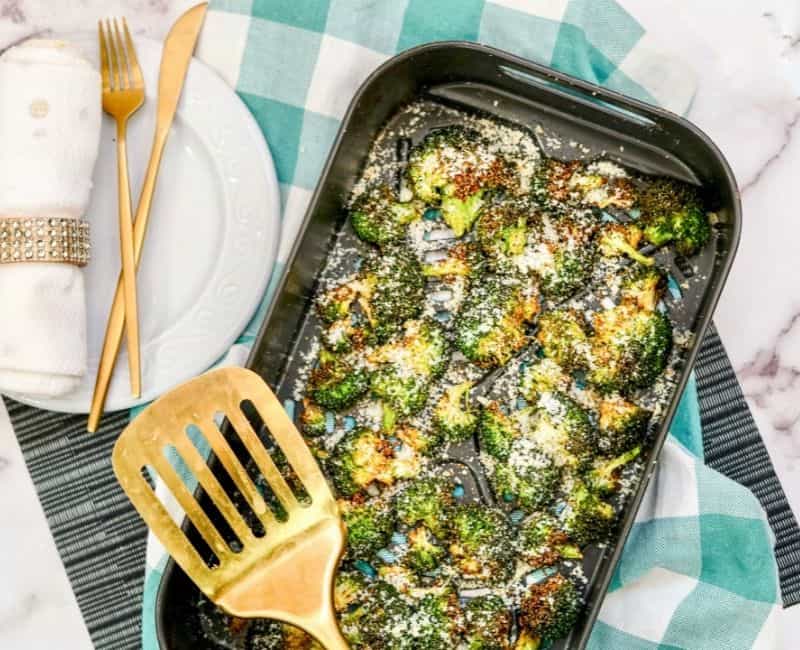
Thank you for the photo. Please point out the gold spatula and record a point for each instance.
(286, 574)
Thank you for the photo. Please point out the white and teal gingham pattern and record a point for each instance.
(698, 570)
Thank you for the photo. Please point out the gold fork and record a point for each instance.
(286, 574)
(123, 94)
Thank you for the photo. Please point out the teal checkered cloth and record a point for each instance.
(698, 570)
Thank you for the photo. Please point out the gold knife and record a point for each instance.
(178, 49)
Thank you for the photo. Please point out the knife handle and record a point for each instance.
(116, 318)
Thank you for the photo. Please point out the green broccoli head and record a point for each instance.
(488, 623)
(543, 376)
(438, 158)
(379, 218)
(360, 458)
(560, 251)
(424, 553)
(644, 287)
(336, 383)
(369, 527)
(605, 477)
(586, 517)
(313, 420)
(479, 543)
(629, 349)
(496, 432)
(378, 620)
(602, 184)
(563, 338)
(672, 211)
(334, 304)
(453, 416)
(391, 289)
(502, 233)
(622, 424)
(438, 621)
(543, 543)
(599, 184)
(454, 162)
(528, 478)
(617, 239)
(347, 334)
(349, 588)
(460, 213)
(428, 501)
(549, 609)
(562, 429)
(407, 365)
(463, 259)
(490, 328)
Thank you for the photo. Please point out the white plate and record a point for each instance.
(211, 241)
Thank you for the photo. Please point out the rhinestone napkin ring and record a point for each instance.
(44, 239)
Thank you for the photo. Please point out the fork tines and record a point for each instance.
(118, 63)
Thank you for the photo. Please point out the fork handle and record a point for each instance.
(128, 262)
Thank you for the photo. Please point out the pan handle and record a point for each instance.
(583, 92)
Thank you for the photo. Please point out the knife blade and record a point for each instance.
(177, 54)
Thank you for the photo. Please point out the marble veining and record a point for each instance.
(746, 54)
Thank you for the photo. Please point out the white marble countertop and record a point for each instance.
(747, 57)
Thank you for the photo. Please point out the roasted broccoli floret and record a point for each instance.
(586, 517)
(672, 211)
(616, 239)
(543, 376)
(369, 527)
(360, 458)
(379, 621)
(606, 474)
(488, 623)
(644, 287)
(391, 289)
(543, 543)
(563, 338)
(479, 543)
(502, 233)
(622, 424)
(421, 441)
(603, 184)
(334, 304)
(528, 478)
(313, 420)
(462, 260)
(452, 167)
(562, 429)
(490, 328)
(350, 587)
(629, 348)
(442, 156)
(424, 553)
(379, 218)
(549, 609)
(496, 431)
(407, 365)
(438, 622)
(453, 416)
(600, 184)
(347, 334)
(460, 213)
(428, 501)
(560, 251)
(336, 383)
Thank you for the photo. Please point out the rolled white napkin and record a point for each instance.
(50, 114)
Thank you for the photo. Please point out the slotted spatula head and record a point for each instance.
(285, 574)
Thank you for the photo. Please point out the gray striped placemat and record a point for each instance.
(102, 541)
